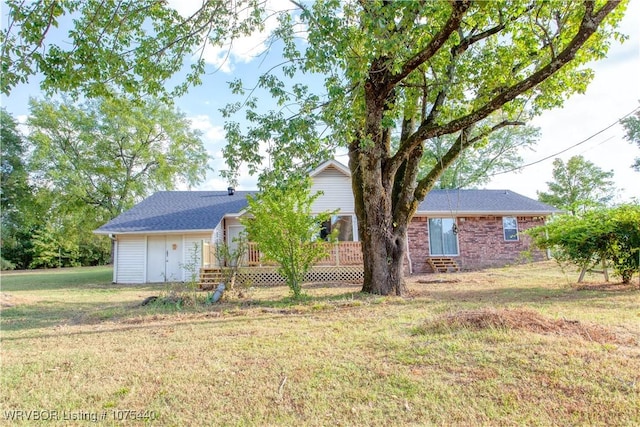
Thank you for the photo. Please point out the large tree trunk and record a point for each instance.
(383, 258)
(382, 236)
(382, 226)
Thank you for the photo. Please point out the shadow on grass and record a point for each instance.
(45, 314)
(520, 294)
(50, 314)
(150, 324)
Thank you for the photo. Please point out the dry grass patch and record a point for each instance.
(8, 300)
(525, 320)
(335, 357)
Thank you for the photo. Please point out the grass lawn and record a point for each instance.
(515, 346)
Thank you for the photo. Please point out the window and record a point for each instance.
(510, 228)
(442, 236)
(344, 226)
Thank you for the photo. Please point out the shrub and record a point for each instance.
(604, 234)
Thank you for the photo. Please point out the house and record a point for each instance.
(166, 236)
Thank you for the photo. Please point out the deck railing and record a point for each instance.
(208, 257)
(340, 254)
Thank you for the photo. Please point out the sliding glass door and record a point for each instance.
(443, 239)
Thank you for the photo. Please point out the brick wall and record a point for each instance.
(480, 243)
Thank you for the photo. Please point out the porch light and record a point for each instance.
(231, 191)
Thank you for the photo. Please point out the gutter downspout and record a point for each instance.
(114, 255)
(409, 254)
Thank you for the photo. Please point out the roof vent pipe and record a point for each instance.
(231, 191)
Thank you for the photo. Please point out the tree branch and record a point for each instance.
(459, 9)
(461, 144)
(588, 26)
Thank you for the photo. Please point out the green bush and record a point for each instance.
(610, 234)
(6, 265)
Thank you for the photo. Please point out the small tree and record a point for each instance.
(230, 259)
(577, 185)
(280, 221)
(604, 234)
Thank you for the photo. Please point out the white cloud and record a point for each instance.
(185, 7)
(243, 49)
(21, 121)
(212, 133)
(214, 141)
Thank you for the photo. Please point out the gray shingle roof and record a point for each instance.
(203, 210)
(482, 201)
(177, 211)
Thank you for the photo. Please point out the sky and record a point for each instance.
(613, 93)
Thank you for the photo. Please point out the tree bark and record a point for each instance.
(383, 249)
(383, 237)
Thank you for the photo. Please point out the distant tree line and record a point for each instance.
(74, 166)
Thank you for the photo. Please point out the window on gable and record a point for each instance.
(510, 228)
(344, 226)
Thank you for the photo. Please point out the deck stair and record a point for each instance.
(210, 277)
(443, 264)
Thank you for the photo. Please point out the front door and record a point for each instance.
(164, 255)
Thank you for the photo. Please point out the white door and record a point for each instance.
(174, 259)
(164, 255)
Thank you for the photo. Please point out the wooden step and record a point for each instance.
(442, 264)
(209, 278)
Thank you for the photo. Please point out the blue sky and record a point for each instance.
(614, 92)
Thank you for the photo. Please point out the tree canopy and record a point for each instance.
(578, 185)
(498, 152)
(414, 71)
(95, 48)
(18, 211)
(81, 165)
(108, 154)
(14, 186)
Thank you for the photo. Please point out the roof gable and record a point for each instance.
(330, 164)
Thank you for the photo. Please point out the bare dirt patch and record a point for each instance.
(527, 320)
(8, 300)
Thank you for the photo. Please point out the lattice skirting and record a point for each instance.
(266, 276)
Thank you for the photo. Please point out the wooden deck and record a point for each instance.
(340, 254)
(343, 264)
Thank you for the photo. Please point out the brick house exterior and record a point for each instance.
(481, 243)
(155, 239)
